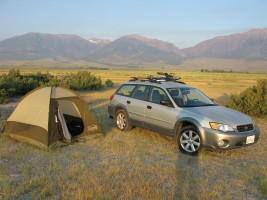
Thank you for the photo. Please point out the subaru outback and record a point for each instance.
(165, 105)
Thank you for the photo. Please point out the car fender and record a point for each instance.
(195, 123)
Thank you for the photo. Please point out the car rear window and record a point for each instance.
(126, 90)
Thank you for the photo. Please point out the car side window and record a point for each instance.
(141, 92)
(126, 90)
(157, 95)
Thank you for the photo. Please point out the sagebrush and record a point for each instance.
(14, 83)
(252, 101)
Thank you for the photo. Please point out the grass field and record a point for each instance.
(138, 164)
(216, 85)
(249, 65)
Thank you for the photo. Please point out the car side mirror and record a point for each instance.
(166, 103)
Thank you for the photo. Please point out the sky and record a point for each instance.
(181, 22)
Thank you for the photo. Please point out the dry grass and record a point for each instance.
(138, 164)
(258, 66)
(223, 63)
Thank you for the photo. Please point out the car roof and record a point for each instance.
(165, 85)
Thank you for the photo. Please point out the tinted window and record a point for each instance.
(126, 90)
(141, 92)
(157, 95)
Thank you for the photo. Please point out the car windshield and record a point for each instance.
(189, 97)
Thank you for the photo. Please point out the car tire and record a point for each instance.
(122, 120)
(189, 140)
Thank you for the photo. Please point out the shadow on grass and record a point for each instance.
(187, 177)
(103, 89)
(188, 170)
(100, 110)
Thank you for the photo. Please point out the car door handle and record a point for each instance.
(128, 102)
(149, 107)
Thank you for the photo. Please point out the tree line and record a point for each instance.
(14, 83)
(219, 71)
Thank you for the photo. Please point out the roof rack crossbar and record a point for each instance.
(166, 77)
(149, 78)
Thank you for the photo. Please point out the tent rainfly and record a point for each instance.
(50, 117)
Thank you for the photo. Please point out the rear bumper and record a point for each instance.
(231, 140)
(111, 111)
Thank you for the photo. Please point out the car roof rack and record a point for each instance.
(166, 77)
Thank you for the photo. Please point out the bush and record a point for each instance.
(84, 80)
(13, 73)
(252, 101)
(14, 84)
(109, 83)
(3, 97)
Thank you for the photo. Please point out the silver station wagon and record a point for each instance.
(166, 105)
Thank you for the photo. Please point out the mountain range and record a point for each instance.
(132, 49)
(249, 45)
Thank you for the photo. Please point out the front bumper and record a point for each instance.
(231, 140)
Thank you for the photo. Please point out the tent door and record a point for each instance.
(72, 117)
(65, 130)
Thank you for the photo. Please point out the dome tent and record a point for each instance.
(49, 117)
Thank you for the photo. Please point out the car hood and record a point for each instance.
(220, 114)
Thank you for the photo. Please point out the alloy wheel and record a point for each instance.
(190, 141)
(121, 121)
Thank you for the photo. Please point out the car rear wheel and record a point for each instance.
(189, 140)
(122, 121)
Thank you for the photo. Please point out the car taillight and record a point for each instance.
(111, 97)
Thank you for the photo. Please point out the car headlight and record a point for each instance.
(221, 127)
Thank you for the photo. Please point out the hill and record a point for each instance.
(239, 52)
(35, 46)
(249, 45)
(135, 49)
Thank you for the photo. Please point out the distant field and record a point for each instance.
(216, 85)
(259, 66)
(138, 164)
(194, 64)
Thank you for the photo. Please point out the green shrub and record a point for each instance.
(14, 84)
(109, 83)
(13, 73)
(252, 101)
(3, 96)
(83, 80)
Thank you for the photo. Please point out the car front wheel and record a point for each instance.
(189, 140)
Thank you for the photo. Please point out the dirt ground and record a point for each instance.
(138, 164)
